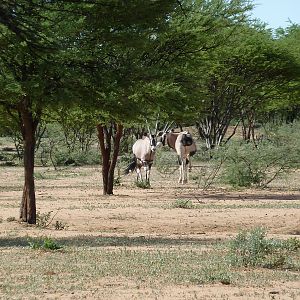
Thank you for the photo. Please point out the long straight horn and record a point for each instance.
(169, 127)
(149, 131)
(156, 127)
(156, 124)
(166, 127)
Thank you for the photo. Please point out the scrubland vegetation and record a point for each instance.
(80, 81)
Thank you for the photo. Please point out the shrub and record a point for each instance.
(91, 157)
(143, 184)
(182, 203)
(250, 249)
(68, 146)
(44, 244)
(124, 160)
(247, 165)
(63, 157)
(244, 165)
(43, 219)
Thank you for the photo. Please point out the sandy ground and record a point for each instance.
(75, 197)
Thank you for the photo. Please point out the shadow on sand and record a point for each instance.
(112, 241)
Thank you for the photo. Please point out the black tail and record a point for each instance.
(131, 166)
(192, 153)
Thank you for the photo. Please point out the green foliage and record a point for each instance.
(63, 144)
(216, 272)
(124, 160)
(289, 106)
(249, 75)
(143, 184)
(45, 244)
(291, 244)
(244, 165)
(63, 157)
(182, 203)
(277, 154)
(8, 158)
(252, 249)
(249, 248)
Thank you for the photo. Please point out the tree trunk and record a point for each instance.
(105, 136)
(28, 128)
(116, 146)
(248, 127)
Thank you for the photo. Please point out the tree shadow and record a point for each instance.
(111, 241)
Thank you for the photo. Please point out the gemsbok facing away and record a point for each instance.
(185, 147)
(143, 156)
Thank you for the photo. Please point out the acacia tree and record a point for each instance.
(32, 75)
(244, 75)
(26, 81)
(287, 104)
(195, 35)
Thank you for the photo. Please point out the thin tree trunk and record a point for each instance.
(105, 147)
(116, 147)
(105, 136)
(28, 128)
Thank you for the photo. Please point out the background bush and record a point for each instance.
(59, 148)
(252, 249)
(275, 154)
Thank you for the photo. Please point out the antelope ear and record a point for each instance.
(160, 133)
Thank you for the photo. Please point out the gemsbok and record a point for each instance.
(143, 156)
(185, 147)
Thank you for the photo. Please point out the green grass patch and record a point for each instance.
(143, 184)
(44, 244)
(253, 249)
(182, 203)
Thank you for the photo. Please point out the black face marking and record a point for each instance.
(152, 140)
(163, 139)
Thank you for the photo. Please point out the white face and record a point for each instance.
(152, 142)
